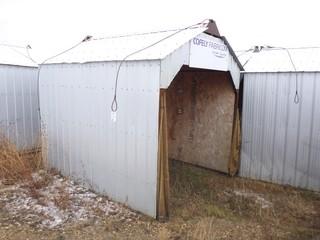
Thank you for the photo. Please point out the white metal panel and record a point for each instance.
(278, 60)
(118, 158)
(190, 55)
(234, 72)
(281, 139)
(19, 119)
(117, 48)
(171, 65)
(11, 55)
(209, 52)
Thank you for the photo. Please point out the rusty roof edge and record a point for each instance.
(214, 31)
(212, 28)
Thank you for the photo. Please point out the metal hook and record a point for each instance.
(114, 104)
(296, 98)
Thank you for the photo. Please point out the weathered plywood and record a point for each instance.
(200, 109)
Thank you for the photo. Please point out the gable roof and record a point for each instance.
(116, 48)
(155, 45)
(199, 46)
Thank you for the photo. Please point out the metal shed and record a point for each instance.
(19, 115)
(281, 138)
(161, 92)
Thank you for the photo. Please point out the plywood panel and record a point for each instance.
(200, 118)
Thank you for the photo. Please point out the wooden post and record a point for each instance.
(163, 168)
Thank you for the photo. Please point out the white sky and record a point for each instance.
(50, 26)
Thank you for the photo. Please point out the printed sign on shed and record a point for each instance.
(208, 52)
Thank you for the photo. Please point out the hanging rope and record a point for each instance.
(259, 49)
(86, 39)
(296, 96)
(114, 104)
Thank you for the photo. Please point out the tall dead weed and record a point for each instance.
(16, 165)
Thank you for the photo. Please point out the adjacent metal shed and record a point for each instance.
(161, 92)
(281, 139)
(19, 116)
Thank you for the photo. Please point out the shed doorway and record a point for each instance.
(198, 125)
(200, 109)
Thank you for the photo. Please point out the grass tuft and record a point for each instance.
(17, 165)
(13, 166)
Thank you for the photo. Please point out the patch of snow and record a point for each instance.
(58, 202)
(257, 198)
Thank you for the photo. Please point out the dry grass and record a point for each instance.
(13, 166)
(204, 229)
(36, 184)
(63, 199)
(164, 234)
(211, 228)
(18, 165)
(216, 206)
(204, 205)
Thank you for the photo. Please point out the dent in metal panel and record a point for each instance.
(116, 158)
(280, 139)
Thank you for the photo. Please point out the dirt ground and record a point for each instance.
(204, 205)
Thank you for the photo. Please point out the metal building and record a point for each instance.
(19, 115)
(163, 98)
(281, 138)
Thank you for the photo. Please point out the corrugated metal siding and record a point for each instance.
(118, 158)
(19, 120)
(281, 139)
